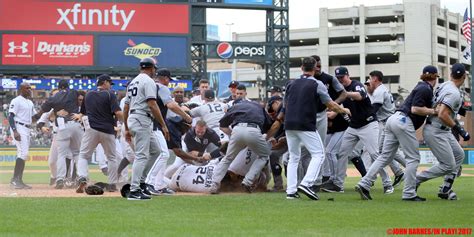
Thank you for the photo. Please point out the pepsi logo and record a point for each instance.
(224, 50)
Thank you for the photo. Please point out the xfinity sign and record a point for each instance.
(227, 50)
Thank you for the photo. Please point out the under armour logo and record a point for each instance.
(13, 47)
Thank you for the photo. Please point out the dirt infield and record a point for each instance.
(44, 190)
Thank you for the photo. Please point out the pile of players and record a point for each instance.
(236, 144)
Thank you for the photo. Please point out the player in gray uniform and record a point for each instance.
(382, 102)
(438, 136)
(20, 118)
(400, 130)
(362, 127)
(141, 103)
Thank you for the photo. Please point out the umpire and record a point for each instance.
(69, 134)
(248, 121)
(97, 112)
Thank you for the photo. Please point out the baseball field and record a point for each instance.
(43, 211)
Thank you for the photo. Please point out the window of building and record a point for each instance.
(343, 40)
(441, 59)
(463, 48)
(380, 38)
(453, 44)
(381, 58)
(452, 61)
(441, 40)
(441, 22)
(344, 60)
(343, 22)
(381, 19)
(453, 26)
(391, 79)
(304, 42)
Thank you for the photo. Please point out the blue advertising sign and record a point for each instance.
(127, 51)
(250, 2)
(219, 81)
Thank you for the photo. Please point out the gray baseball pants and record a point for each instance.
(241, 137)
(333, 145)
(446, 149)
(69, 142)
(399, 130)
(146, 146)
(90, 140)
(322, 129)
(397, 159)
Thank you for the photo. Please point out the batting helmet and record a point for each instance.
(148, 62)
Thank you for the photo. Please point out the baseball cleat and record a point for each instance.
(82, 185)
(388, 190)
(59, 184)
(364, 193)
(292, 196)
(398, 179)
(414, 199)
(308, 192)
(137, 196)
(450, 195)
(16, 184)
(247, 188)
(330, 187)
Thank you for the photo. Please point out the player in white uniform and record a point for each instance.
(199, 99)
(211, 112)
(20, 118)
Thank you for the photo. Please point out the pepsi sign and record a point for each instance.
(225, 50)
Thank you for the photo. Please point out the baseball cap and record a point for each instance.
(276, 89)
(430, 70)
(341, 71)
(233, 84)
(458, 70)
(209, 94)
(148, 62)
(104, 77)
(164, 72)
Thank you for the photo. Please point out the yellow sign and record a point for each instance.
(36, 156)
(142, 51)
(183, 85)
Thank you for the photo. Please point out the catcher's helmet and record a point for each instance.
(148, 62)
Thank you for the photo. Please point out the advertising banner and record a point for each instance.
(237, 50)
(250, 2)
(58, 50)
(127, 51)
(74, 16)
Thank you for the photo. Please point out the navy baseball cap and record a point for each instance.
(164, 72)
(430, 70)
(233, 84)
(63, 83)
(103, 78)
(341, 71)
(458, 70)
(209, 94)
(276, 89)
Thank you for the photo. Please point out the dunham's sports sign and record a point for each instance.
(78, 16)
(74, 50)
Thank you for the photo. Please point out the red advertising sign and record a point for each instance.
(60, 50)
(53, 15)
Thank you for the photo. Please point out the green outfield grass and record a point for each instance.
(261, 214)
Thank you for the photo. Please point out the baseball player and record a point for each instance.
(98, 113)
(248, 120)
(438, 136)
(20, 116)
(198, 139)
(178, 97)
(203, 86)
(155, 169)
(211, 112)
(362, 127)
(141, 103)
(401, 129)
(382, 102)
(301, 106)
(232, 88)
(128, 155)
(65, 104)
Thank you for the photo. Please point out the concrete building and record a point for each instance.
(398, 40)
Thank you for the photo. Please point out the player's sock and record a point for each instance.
(21, 170)
(17, 170)
(359, 164)
(123, 164)
(68, 166)
(448, 182)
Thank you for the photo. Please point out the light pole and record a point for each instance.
(229, 25)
